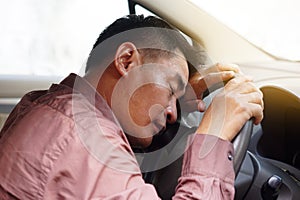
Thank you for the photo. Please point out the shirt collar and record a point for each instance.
(80, 85)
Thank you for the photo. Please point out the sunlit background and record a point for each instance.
(54, 37)
(273, 25)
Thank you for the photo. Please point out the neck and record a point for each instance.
(103, 82)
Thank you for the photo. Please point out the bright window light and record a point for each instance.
(272, 25)
(52, 37)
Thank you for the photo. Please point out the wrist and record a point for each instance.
(218, 132)
(214, 134)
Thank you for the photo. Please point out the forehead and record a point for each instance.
(173, 59)
(177, 66)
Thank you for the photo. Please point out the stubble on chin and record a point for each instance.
(137, 142)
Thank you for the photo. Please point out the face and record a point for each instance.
(145, 99)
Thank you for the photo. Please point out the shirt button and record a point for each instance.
(230, 156)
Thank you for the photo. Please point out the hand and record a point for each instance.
(239, 101)
(204, 79)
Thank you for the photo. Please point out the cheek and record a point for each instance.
(148, 102)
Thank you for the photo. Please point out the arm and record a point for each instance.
(207, 171)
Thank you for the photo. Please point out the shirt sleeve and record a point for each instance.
(207, 171)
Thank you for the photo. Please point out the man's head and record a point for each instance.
(148, 35)
(144, 69)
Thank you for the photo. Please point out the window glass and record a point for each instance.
(272, 25)
(141, 10)
(52, 37)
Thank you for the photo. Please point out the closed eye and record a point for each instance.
(172, 91)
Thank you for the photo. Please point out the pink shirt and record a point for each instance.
(65, 143)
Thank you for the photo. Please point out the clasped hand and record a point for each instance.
(238, 101)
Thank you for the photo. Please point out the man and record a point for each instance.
(69, 142)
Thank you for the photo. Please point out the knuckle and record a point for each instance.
(250, 85)
(243, 108)
(262, 105)
(233, 81)
(218, 66)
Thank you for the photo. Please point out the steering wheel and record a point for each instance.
(240, 145)
(165, 179)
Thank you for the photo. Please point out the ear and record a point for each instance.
(126, 58)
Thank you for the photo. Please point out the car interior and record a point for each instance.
(267, 156)
(270, 164)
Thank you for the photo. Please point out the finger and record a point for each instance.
(237, 82)
(254, 98)
(214, 78)
(251, 110)
(228, 67)
(218, 67)
(201, 84)
(253, 106)
(246, 87)
(251, 92)
(257, 112)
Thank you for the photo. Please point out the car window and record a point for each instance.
(270, 24)
(52, 37)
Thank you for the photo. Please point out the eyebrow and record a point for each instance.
(179, 81)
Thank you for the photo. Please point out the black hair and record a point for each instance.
(148, 32)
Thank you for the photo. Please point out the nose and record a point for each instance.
(171, 111)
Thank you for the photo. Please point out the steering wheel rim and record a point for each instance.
(240, 145)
